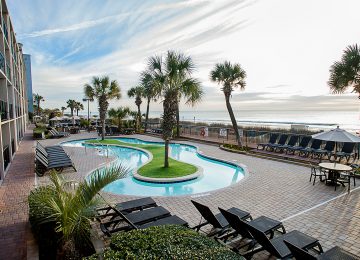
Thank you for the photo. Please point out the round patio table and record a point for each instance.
(334, 170)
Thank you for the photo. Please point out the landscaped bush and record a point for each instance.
(236, 147)
(39, 130)
(165, 242)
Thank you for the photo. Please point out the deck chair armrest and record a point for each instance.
(198, 227)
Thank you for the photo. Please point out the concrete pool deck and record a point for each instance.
(274, 189)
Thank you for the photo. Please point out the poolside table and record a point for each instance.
(334, 170)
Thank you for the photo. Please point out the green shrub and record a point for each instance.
(165, 242)
(236, 147)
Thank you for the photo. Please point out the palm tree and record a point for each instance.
(37, 100)
(138, 93)
(71, 103)
(71, 207)
(79, 106)
(120, 113)
(103, 90)
(147, 82)
(345, 74)
(230, 76)
(62, 110)
(172, 80)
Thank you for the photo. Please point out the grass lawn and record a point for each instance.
(155, 169)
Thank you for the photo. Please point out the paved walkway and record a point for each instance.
(275, 189)
(18, 182)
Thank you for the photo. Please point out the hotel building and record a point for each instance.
(13, 93)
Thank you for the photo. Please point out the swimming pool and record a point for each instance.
(216, 174)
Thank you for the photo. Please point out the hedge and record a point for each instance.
(164, 242)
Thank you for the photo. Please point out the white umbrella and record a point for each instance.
(65, 118)
(56, 118)
(337, 135)
(75, 118)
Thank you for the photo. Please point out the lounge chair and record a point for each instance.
(43, 164)
(277, 247)
(333, 253)
(328, 149)
(281, 142)
(347, 152)
(272, 140)
(57, 135)
(125, 207)
(265, 224)
(218, 222)
(315, 145)
(303, 144)
(140, 219)
(52, 153)
(291, 143)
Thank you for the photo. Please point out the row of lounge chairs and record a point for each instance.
(233, 227)
(114, 130)
(288, 146)
(51, 157)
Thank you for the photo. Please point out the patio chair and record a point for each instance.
(277, 247)
(291, 143)
(345, 177)
(333, 253)
(281, 142)
(265, 224)
(328, 149)
(315, 145)
(317, 171)
(272, 140)
(218, 222)
(347, 152)
(303, 144)
(125, 207)
(140, 219)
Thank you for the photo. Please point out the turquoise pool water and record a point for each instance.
(216, 174)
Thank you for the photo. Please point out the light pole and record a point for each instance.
(88, 100)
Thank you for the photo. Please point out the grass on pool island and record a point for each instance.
(155, 169)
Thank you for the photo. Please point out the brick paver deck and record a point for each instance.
(275, 189)
(13, 202)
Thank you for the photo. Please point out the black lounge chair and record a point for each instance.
(272, 140)
(291, 143)
(277, 247)
(328, 149)
(42, 164)
(52, 154)
(303, 144)
(347, 152)
(140, 219)
(281, 142)
(315, 145)
(60, 133)
(331, 254)
(57, 135)
(265, 224)
(125, 208)
(218, 222)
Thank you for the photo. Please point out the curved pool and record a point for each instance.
(216, 174)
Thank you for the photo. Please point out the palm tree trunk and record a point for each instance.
(38, 107)
(233, 120)
(139, 119)
(177, 120)
(119, 123)
(77, 112)
(166, 157)
(147, 113)
(72, 111)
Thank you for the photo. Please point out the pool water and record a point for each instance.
(216, 174)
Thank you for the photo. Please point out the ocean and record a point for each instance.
(349, 120)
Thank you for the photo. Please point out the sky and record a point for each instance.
(285, 47)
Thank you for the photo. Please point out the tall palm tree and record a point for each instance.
(71, 207)
(62, 110)
(119, 113)
(37, 100)
(103, 90)
(172, 80)
(345, 73)
(71, 103)
(230, 76)
(79, 106)
(138, 93)
(147, 82)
